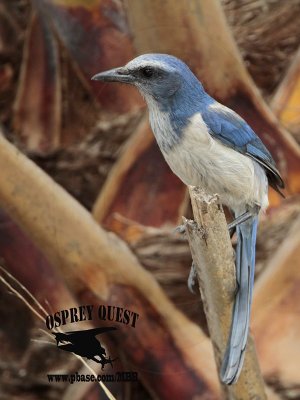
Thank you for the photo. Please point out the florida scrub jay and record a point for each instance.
(206, 144)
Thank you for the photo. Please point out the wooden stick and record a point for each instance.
(214, 261)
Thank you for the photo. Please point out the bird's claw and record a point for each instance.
(180, 229)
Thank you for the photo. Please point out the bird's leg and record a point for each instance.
(192, 279)
(241, 218)
(244, 217)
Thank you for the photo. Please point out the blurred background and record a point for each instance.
(93, 139)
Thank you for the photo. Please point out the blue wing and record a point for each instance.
(228, 127)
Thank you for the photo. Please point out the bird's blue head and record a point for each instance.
(159, 77)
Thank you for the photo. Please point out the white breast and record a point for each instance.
(200, 160)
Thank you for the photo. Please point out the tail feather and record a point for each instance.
(245, 267)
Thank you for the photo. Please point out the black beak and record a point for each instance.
(114, 75)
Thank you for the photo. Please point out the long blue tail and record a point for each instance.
(245, 267)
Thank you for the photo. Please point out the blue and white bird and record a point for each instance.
(208, 145)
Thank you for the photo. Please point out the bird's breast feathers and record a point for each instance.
(200, 160)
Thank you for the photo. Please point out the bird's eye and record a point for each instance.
(147, 72)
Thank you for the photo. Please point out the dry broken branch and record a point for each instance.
(213, 257)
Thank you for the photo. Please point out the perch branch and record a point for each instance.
(214, 262)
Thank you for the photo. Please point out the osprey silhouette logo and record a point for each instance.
(85, 344)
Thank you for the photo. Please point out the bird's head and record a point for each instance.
(157, 76)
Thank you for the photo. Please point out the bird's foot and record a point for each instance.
(192, 279)
(180, 229)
